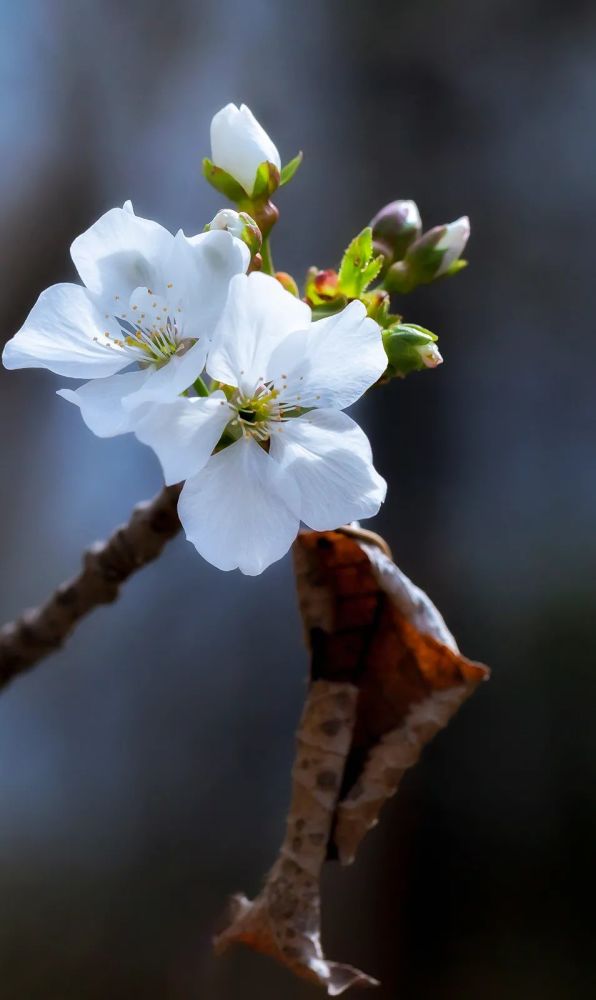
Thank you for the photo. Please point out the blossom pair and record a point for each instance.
(263, 446)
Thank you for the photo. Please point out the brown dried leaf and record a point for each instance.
(284, 920)
(386, 676)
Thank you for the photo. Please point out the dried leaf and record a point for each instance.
(386, 676)
(284, 920)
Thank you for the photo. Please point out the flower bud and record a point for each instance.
(240, 146)
(321, 286)
(453, 243)
(410, 348)
(394, 228)
(240, 225)
(286, 281)
(432, 255)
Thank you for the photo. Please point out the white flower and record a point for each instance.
(149, 299)
(239, 145)
(453, 242)
(295, 456)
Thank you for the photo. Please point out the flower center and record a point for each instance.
(150, 329)
(254, 413)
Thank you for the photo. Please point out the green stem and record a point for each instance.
(200, 387)
(267, 258)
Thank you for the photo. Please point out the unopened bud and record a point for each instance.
(434, 254)
(394, 228)
(453, 243)
(286, 281)
(321, 286)
(410, 348)
(240, 225)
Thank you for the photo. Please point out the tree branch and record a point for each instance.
(106, 565)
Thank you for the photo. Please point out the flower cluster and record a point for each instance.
(195, 345)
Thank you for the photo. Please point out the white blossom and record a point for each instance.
(453, 242)
(293, 455)
(149, 300)
(239, 145)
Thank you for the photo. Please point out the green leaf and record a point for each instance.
(290, 169)
(223, 182)
(359, 267)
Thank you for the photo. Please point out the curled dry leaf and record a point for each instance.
(284, 920)
(386, 675)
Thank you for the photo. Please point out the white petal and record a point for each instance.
(100, 402)
(65, 332)
(258, 316)
(338, 360)
(200, 269)
(239, 144)
(238, 511)
(183, 434)
(120, 252)
(164, 385)
(329, 458)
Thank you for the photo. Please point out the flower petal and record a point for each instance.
(184, 433)
(201, 268)
(328, 457)
(238, 511)
(100, 402)
(258, 316)
(66, 333)
(239, 144)
(164, 384)
(119, 252)
(335, 363)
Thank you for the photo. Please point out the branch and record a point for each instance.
(106, 565)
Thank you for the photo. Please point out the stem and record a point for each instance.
(200, 387)
(267, 258)
(106, 565)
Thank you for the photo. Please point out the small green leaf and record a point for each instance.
(290, 169)
(223, 182)
(359, 267)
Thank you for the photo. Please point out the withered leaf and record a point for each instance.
(386, 675)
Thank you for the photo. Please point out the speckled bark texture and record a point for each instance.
(106, 565)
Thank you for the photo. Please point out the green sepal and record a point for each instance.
(455, 268)
(266, 181)
(223, 182)
(406, 345)
(290, 169)
(359, 267)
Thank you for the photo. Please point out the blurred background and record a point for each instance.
(144, 770)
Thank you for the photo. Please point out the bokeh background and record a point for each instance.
(144, 770)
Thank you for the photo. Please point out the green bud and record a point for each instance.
(433, 255)
(394, 228)
(410, 348)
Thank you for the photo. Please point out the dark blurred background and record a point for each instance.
(144, 770)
